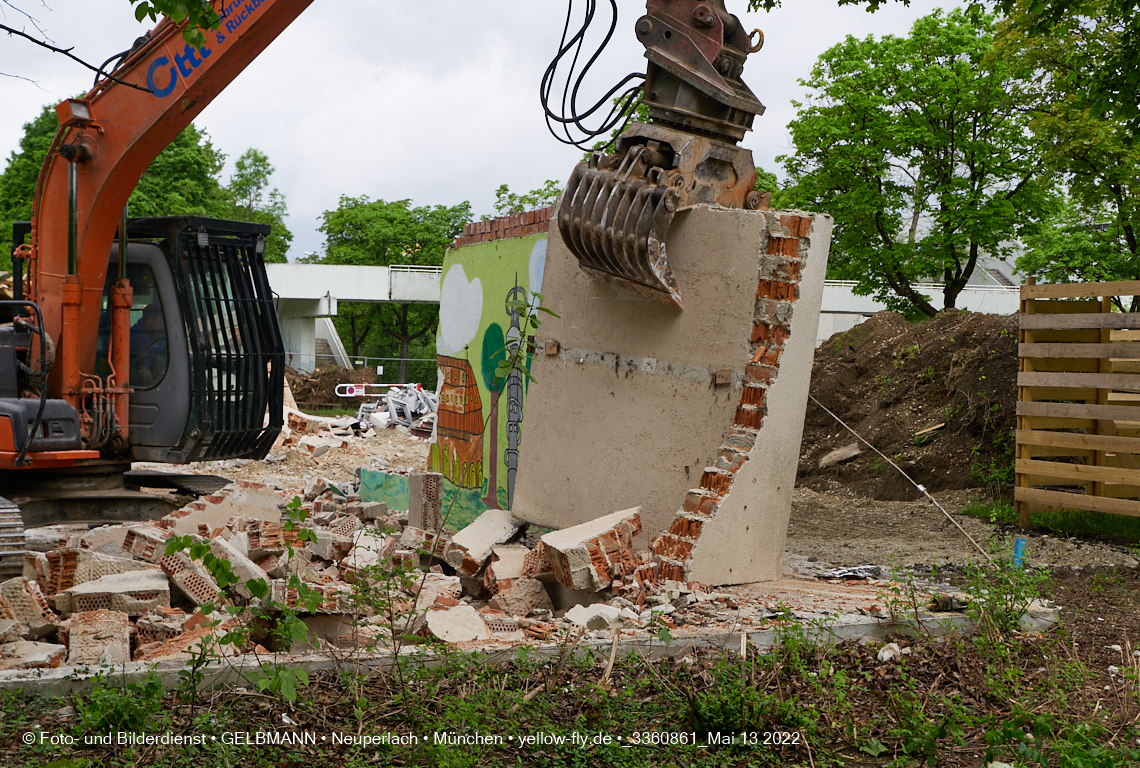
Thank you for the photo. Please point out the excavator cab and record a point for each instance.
(207, 358)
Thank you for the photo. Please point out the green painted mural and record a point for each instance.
(479, 425)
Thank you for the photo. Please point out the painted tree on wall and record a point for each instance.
(493, 353)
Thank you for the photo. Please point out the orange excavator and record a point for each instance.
(134, 339)
(156, 339)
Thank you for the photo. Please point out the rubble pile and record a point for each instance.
(372, 576)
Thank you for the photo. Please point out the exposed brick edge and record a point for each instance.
(506, 227)
(776, 295)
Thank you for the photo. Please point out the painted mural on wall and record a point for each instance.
(479, 426)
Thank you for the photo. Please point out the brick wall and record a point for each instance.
(776, 297)
(505, 227)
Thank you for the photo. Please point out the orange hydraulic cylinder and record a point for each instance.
(70, 341)
(122, 296)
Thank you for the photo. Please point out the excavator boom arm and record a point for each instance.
(113, 135)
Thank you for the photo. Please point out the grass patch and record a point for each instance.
(1061, 522)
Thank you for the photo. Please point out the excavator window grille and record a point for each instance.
(236, 350)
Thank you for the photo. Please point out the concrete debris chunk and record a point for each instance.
(507, 563)
(373, 510)
(597, 616)
(158, 627)
(107, 539)
(370, 548)
(425, 500)
(22, 600)
(26, 654)
(36, 568)
(471, 547)
(191, 578)
(457, 625)
(593, 555)
(10, 631)
(522, 598)
(146, 542)
(244, 568)
(133, 593)
(435, 586)
(215, 511)
(99, 637)
(840, 455)
(70, 567)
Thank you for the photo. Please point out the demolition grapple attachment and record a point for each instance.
(616, 210)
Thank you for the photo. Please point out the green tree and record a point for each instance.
(18, 181)
(507, 202)
(1081, 245)
(379, 233)
(183, 179)
(1114, 24)
(919, 148)
(251, 199)
(1094, 152)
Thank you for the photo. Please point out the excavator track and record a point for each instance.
(11, 540)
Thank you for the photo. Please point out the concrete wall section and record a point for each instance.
(744, 541)
(628, 413)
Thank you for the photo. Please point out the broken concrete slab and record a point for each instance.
(507, 563)
(71, 566)
(133, 593)
(523, 597)
(244, 568)
(22, 600)
(471, 547)
(370, 548)
(27, 654)
(191, 578)
(145, 542)
(214, 511)
(840, 455)
(459, 624)
(597, 616)
(10, 631)
(99, 637)
(592, 555)
(434, 586)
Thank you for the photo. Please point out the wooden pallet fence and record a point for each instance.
(1078, 400)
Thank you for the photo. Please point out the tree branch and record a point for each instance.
(67, 52)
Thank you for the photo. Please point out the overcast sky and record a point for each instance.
(435, 101)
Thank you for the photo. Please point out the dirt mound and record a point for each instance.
(317, 389)
(894, 383)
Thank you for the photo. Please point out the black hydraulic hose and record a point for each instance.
(570, 116)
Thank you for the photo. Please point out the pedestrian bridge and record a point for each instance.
(307, 296)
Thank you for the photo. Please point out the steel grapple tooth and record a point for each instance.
(608, 219)
(11, 540)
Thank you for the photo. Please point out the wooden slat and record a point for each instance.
(1065, 307)
(1055, 499)
(1064, 365)
(1050, 422)
(1119, 491)
(1123, 350)
(1124, 366)
(1057, 393)
(1032, 451)
(1081, 290)
(1065, 337)
(1074, 440)
(1087, 320)
(1077, 473)
(1074, 411)
(1124, 335)
(1094, 380)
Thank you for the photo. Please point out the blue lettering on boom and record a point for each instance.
(161, 61)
